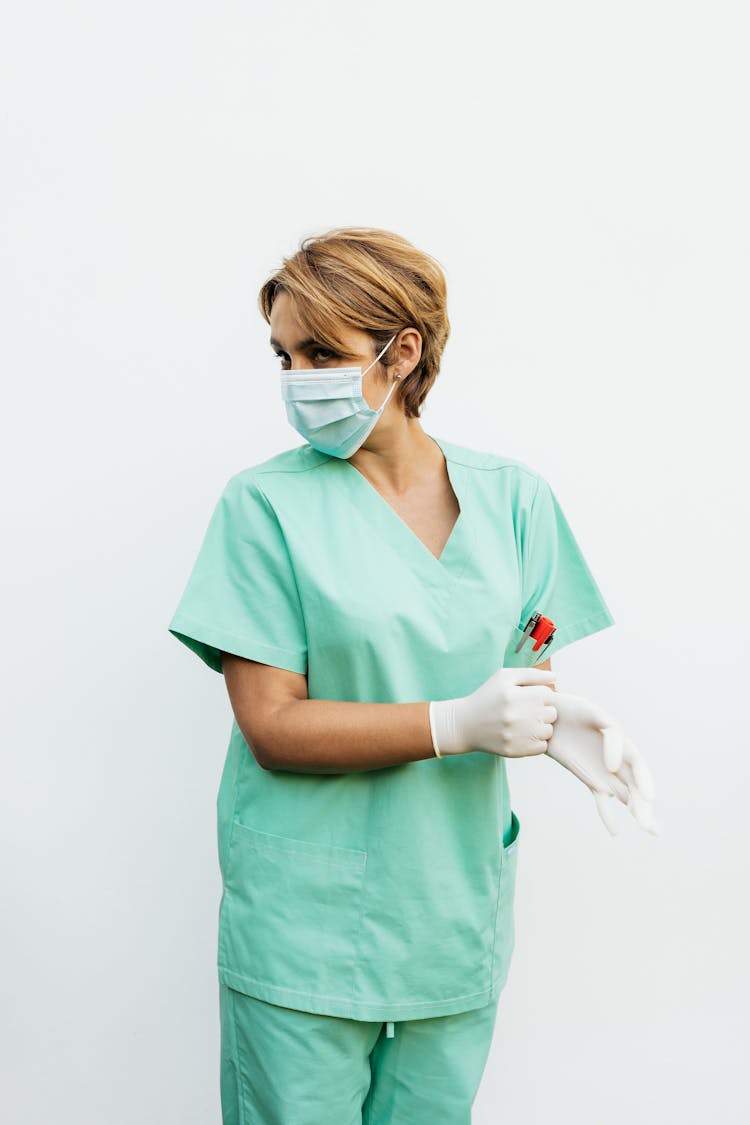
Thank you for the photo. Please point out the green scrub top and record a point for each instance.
(384, 894)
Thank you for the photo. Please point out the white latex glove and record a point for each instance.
(595, 748)
(511, 714)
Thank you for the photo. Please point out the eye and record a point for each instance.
(324, 352)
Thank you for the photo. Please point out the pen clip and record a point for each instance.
(542, 630)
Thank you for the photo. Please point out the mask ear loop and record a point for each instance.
(395, 377)
(377, 357)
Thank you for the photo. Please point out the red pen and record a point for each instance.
(541, 630)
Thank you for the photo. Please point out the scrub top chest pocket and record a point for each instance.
(526, 658)
(290, 911)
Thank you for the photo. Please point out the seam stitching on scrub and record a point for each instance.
(230, 840)
(583, 628)
(356, 864)
(292, 569)
(236, 1055)
(599, 615)
(484, 468)
(346, 999)
(240, 636)
(257, 470)
(358, 935)
(528, 471)
(356, 856)
(229, 632)
(501, 862)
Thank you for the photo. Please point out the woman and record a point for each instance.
(364, 594)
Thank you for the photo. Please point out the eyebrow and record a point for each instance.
(303, 344)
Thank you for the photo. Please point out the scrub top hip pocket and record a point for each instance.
(290, 911)
(505, 914)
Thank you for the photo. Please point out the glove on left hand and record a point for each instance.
(595, 748)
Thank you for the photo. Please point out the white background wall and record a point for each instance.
(581, 172)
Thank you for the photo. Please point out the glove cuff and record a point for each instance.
(432, 731)
(443, 728)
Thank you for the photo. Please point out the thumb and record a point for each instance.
(613, 749)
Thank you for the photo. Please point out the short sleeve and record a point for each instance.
(241, 596)
(555, 578)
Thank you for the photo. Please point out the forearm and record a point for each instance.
(332, 736)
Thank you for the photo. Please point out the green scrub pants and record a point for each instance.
(281, 1066)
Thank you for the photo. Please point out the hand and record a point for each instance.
(510, 714)
(594, 748)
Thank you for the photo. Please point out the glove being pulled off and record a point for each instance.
(595, 748)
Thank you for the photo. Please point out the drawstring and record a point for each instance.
(389, 1030)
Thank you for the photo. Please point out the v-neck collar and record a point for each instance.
(385, 521)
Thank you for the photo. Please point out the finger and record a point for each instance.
(613, 746)
(543, 696)
(535, 676)
(620, 788)
(615, 785)
(638, 806)
(613, 736)
(643, 813)
(549, 714)
(627, 771)
(606, 812)
(643, 778)
(597, 780)
(626, 778)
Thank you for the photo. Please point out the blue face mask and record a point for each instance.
(326, 406)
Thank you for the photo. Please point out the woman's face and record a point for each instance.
(288, 340)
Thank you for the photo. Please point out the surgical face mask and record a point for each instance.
(326, 406)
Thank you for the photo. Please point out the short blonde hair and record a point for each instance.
(374, 281)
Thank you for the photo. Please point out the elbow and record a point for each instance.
(258, 750)
(264, 732)
(268, 739)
